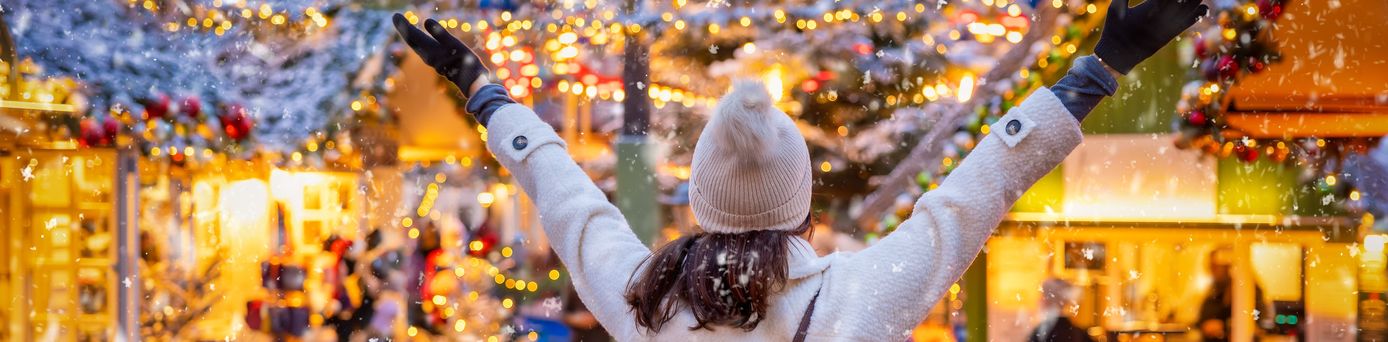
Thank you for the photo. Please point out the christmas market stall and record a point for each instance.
(1256, 225)
(226, 194)
(68, 212)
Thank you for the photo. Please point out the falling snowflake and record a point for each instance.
(28, 172)
(713, 49)
(717, 4)
(641, 85)
(552, 305)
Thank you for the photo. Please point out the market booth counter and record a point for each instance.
(1153, 242)
(1149, 281)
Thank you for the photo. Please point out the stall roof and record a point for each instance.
(1333, 77)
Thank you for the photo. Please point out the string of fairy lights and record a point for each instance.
(222, 16)
(563, 32)
(568, 25)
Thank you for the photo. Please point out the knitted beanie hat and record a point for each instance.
(751, 168)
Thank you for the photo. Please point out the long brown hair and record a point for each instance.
(724, 279)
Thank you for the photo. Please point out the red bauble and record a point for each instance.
(1255, 65)
(1270, 9)
(1249, 155)
(1201, 49)
(190, 106)
(1245, 153)
(1227, 66)
(235, 122)
(1197, 118)
(111, 128)
(90, 131)
(156, 107)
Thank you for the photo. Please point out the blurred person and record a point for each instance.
(1056, 296)
(750, 274)
(1217, 309)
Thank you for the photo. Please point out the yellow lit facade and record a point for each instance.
(1138, 245)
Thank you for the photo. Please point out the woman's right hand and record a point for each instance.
(447, 55)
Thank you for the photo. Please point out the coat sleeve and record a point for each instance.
(588, 233)
(884, 291)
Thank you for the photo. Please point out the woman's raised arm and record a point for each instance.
(885, 290)
(588, 233)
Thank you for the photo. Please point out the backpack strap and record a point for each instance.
(804, 329)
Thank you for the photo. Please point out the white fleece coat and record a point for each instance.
(877, 294)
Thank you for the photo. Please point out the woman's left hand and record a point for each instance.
(447, 55)
(1132, 34)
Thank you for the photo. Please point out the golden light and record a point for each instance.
(553, 274)
(459, 325)
(1374, 243)
(1354, 195)
(774, 84)
(507, 303)
(439, 300)
(486, 199)
(475, 245)
(245, 206)
(966, 88)
(826, 167)
(1330, 180)
(1014, 37)
(568, 38)
(506, 251)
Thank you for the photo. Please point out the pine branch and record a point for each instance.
(927, 151)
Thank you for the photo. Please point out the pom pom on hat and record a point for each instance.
(743, 122)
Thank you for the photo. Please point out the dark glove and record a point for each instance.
(449, 57)
(1133, 34)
